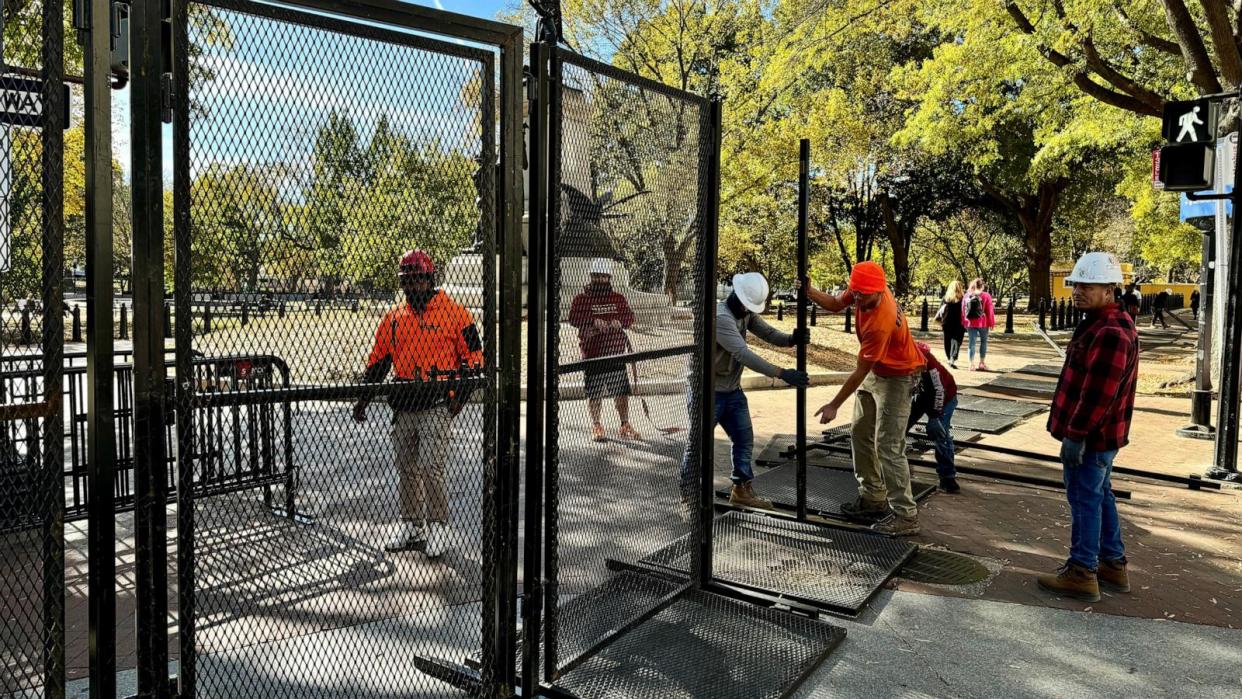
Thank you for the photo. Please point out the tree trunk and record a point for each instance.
(900, 245)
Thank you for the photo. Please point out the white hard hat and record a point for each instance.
(601, 265)
(1096, 268)
(752, 290)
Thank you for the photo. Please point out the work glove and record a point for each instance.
(801, 336)
(1071, 452)
(793, 377)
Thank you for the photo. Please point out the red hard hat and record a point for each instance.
(416, 262)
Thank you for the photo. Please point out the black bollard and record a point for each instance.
(1043, 311)
(814, 314)
(168, 329)
(280, 310)
(77, 323)
(1054, 314)
(849, 316)
(318, 308)
(780, 311)
(923, 324)
(27, 334)
(124, 322)
(245, 314)
(207, 320)
(1066, 313)
(1009, 318)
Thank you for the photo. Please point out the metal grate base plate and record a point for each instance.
(1000, 406)
(1005, 384)
(823, 566)
(779, 450)
(703, 645)
(1052, 370)
(826, 488)
(592, 616)
(992, 423)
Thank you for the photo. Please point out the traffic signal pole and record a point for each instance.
(1226, 461)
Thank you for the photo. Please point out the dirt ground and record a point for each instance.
(1184, 546)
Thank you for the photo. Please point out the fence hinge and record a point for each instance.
(118, 24)
(166, 58)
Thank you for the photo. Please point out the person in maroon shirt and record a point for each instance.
(601, 316)
(1091, 412)
(936, 398)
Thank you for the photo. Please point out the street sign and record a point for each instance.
(1155, 170)
(21, 101)
(1191, 121)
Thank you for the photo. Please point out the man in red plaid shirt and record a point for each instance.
(1091, 412)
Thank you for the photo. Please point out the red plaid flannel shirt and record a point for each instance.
(1094, 400)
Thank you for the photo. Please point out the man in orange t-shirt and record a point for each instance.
(889, 365)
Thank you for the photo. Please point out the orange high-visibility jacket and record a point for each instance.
(443, 337)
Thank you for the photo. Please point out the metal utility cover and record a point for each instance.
(826, 488)
(943, 568)
(835, 569)
(704, 645)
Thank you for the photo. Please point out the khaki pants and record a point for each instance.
(881, 410)
(420, 442)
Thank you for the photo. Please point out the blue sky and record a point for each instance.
(265, 85)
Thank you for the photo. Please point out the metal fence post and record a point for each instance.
(1009, 318)
(1043, 311)
(77, 323)
(804, 189)
(151, 326)
(101, 427)
(923, 322)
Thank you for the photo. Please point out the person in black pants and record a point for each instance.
(1194, 304)
(950, 318)
(1158, 306)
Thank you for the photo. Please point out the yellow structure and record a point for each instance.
(1061, 289)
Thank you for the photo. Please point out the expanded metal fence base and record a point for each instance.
(1006, 384)
(992, 423)
(1053, 370)
(702, 645)
(1000, 406)
(826, 488)
(825, 567)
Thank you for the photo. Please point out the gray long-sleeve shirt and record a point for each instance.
(732, 354)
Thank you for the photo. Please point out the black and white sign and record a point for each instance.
(21, 101)
(1192, 121)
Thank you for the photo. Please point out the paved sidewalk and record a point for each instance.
(915, 645)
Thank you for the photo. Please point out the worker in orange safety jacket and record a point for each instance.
(426, 338)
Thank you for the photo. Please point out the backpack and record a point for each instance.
(974, 308)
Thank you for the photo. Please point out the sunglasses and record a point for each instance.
(412, 279)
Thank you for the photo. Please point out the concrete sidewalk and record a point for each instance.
(916, 645)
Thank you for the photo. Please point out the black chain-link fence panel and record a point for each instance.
(32, 194)
(340, 422)
(628, 204)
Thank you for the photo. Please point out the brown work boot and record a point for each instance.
(1072, 580)
(1112, 574)
(898, 526)
(744, 495)
(863, 510)
(628, 432)
(597, 432)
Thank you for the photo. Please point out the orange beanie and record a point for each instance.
(867, 278)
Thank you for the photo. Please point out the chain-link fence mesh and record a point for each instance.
(628, 204)
(32, 632)
(340, 421)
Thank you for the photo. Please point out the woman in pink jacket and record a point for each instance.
(979, 317)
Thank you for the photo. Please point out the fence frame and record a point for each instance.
(502, 304)
(542, 560)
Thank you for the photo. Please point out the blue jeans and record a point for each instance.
(733, 414)
(1095, 531)
(982, 335)
(938, 430)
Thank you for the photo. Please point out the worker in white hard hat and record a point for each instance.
(1091, 411)
(602, 315)
(736, 316)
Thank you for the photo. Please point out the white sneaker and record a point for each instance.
(405, 534)
(437, 539)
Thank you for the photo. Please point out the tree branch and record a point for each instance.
(1221, 30)
(1202, 74)
(1145, 37)
(1116, 79)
